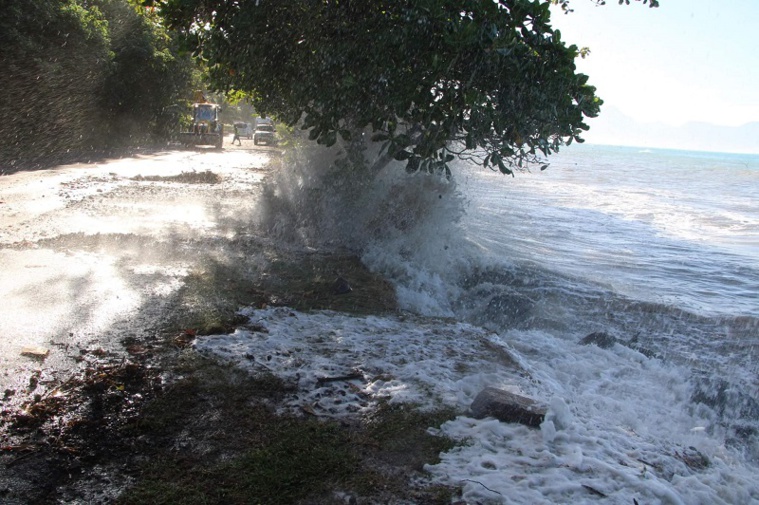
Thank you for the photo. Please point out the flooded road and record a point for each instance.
(89, 253)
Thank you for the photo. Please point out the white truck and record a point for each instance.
(265, 132)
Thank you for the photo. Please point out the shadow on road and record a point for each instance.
(115, 314)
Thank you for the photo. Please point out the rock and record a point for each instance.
(507, 407)
(341, 286)
(599, 338)
(509, 308)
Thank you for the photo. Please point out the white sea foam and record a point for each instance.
(619, 423)
(643, 247)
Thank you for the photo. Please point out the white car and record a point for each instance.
(265, 134)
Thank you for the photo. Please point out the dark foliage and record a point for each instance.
(56, 57)
(81, 77)
(147, 78)
(431, 79)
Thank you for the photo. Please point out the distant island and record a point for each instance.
(615, 128)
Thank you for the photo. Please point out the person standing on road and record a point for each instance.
(236, 137)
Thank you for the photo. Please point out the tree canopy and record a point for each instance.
(566, 8)
(432, 78)
(84, 76)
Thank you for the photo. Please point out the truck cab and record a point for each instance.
(206, 127)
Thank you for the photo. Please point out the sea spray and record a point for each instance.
(524, 258)
(402, 225)
(666, 412)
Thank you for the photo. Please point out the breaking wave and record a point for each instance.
(528, 257)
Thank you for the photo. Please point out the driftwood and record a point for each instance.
(594, 491)
(349, 377)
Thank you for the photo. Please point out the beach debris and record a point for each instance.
(79, 414)
(35, 351)
(353, 375)
(594, 491)
(507, 407)
(599, 338)
(185, 338)
(308, 409)
(693, 458)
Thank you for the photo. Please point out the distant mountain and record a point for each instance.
(615, 128)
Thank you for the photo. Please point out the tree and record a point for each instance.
(431, 78)
(55, 55)
(148, 75)
(566, 8)
(84, 76)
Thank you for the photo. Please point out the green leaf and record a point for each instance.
(402, 140)
(346, 135)
(329, 138)
(503, 168)
(402, 155)
(380, 137)
(469, 141)
(412, 165)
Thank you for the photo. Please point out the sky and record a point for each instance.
(688, 60)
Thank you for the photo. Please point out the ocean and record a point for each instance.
(656, 249)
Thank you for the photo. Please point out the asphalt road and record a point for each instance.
(88, 251)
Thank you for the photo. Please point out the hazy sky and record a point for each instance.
(688, 60)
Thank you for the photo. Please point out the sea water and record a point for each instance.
(656, 246)
(657, 249)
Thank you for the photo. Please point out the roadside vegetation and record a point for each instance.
(85, 79)
(492, 82)
(82, 78)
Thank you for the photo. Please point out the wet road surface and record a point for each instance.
(89, 252)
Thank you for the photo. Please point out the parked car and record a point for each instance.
(265, 134)
(244, 130)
